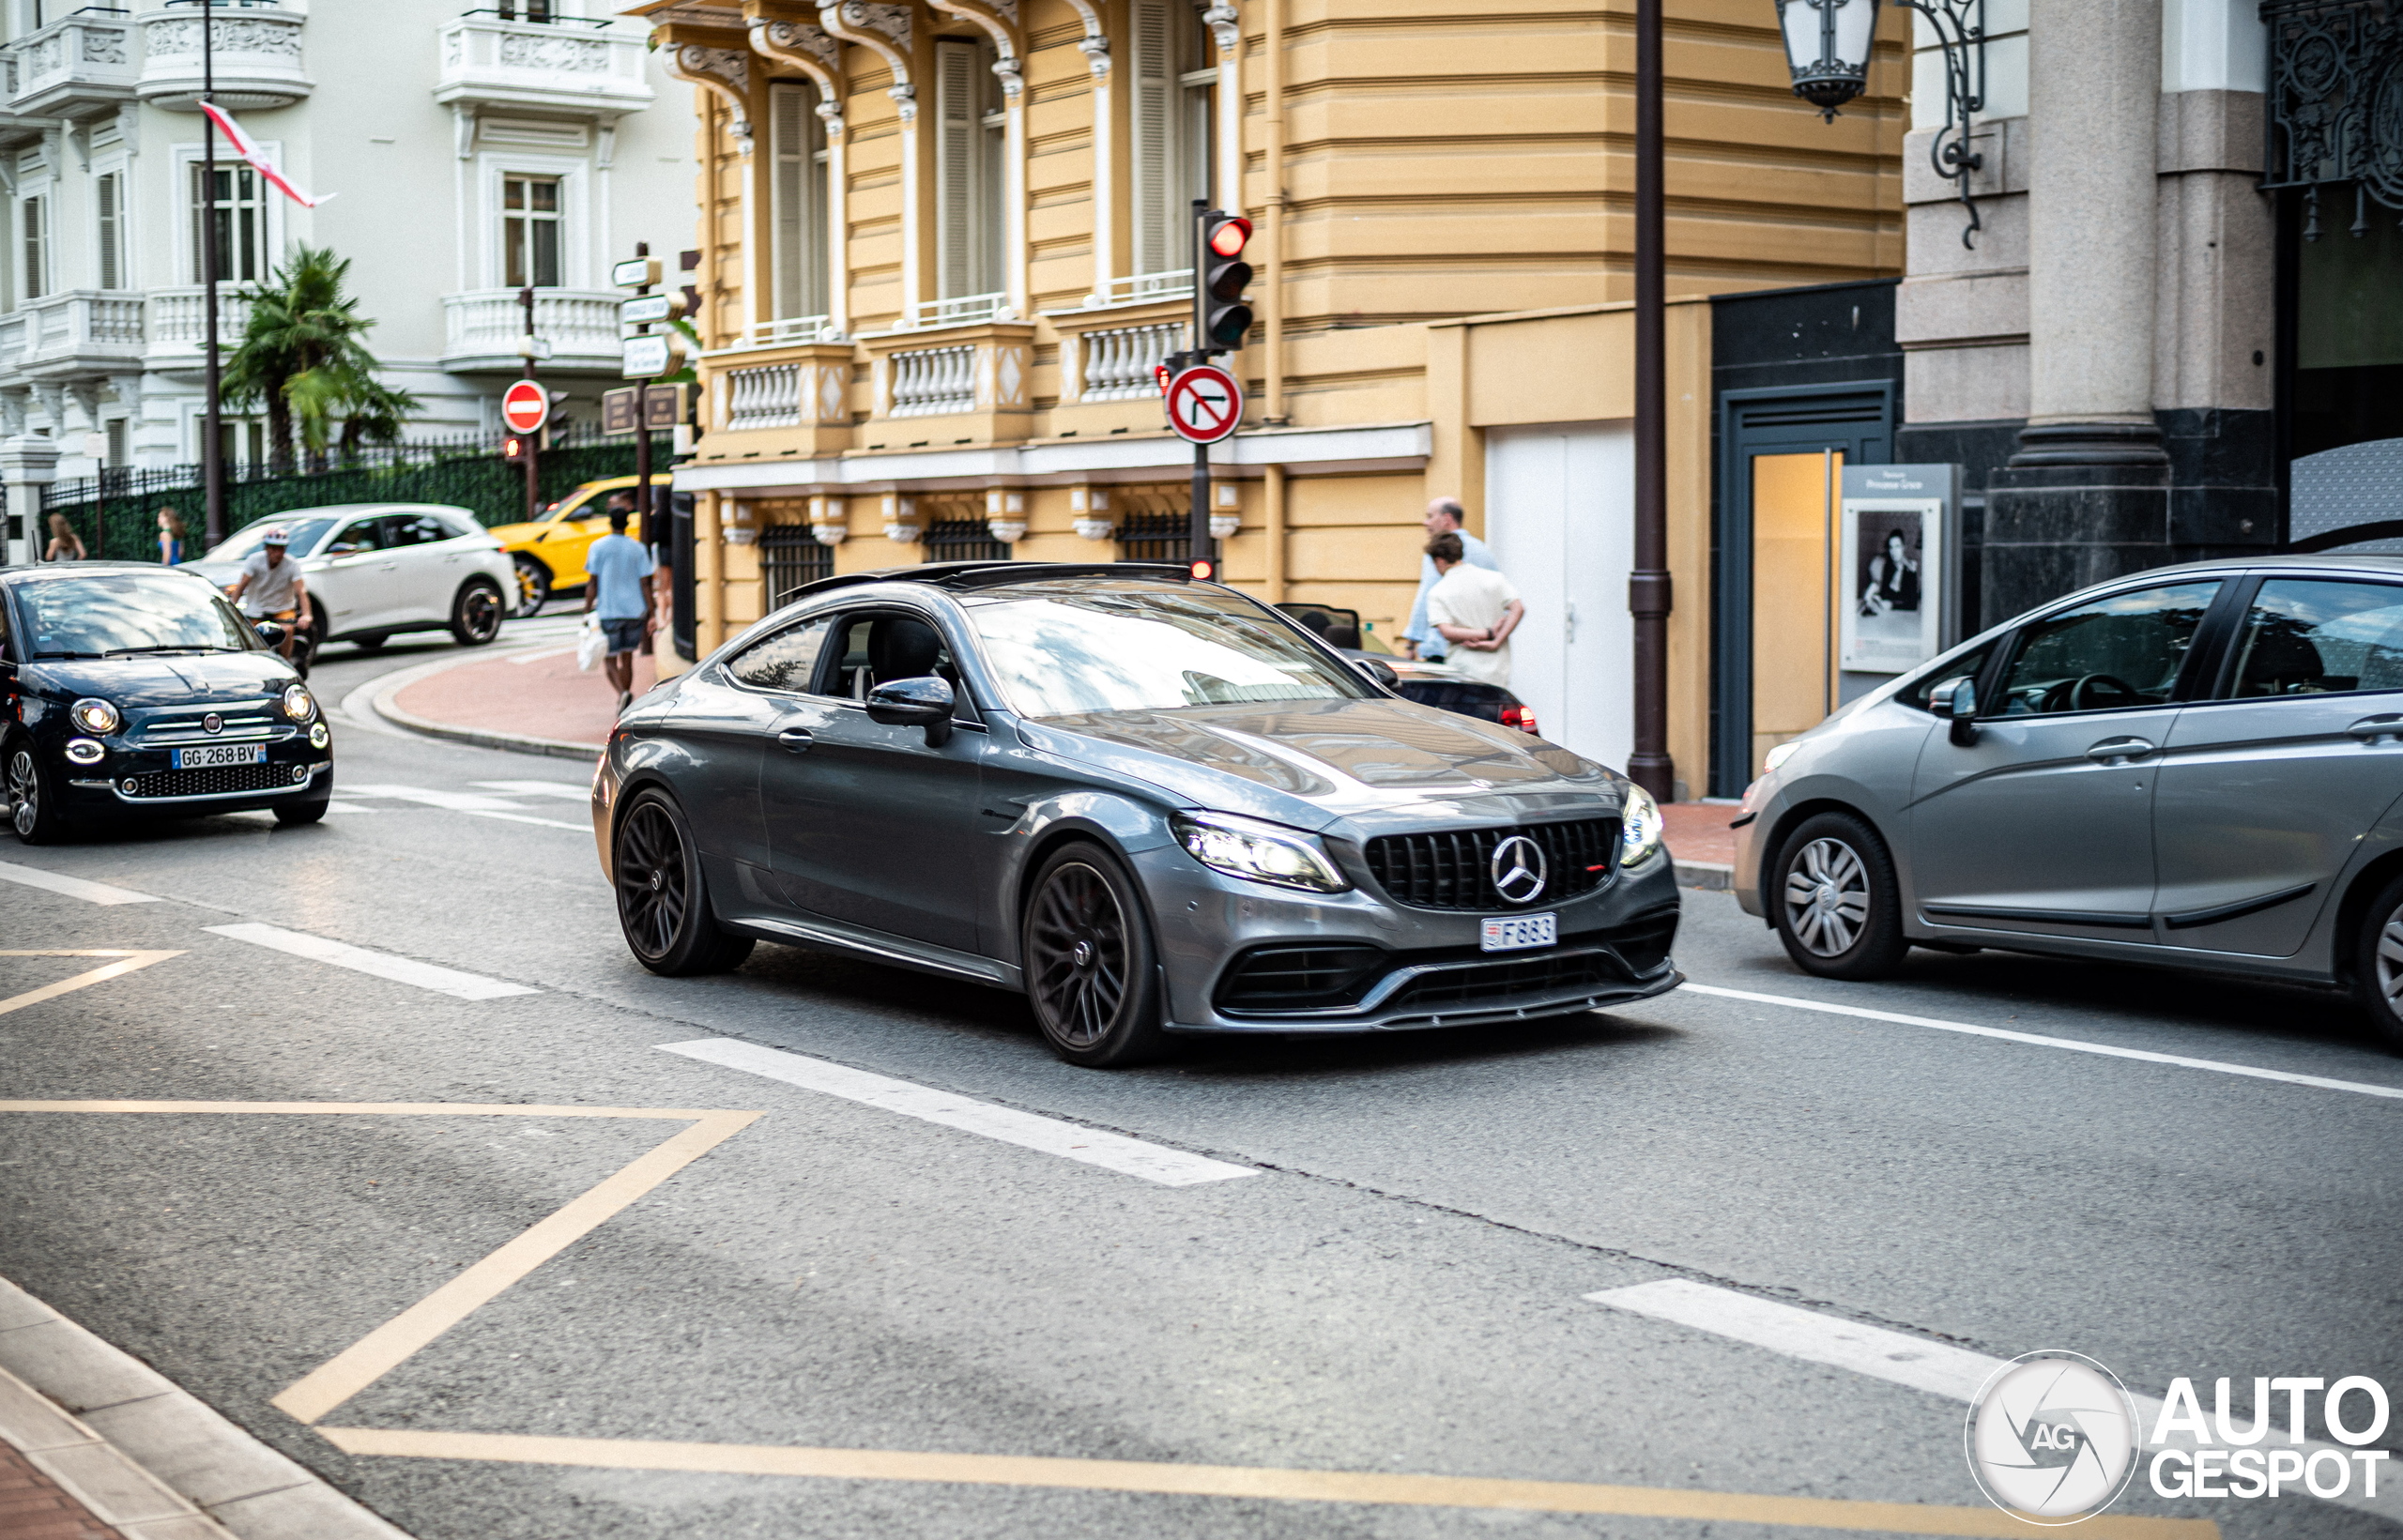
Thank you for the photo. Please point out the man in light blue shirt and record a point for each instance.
(618, 591)
(1443, 518)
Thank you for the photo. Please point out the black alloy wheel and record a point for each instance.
(663, 901)
(2378, 965)
(33, 801)
(1090, 965)
(475, 614)
(1834, 899)
(533, 584)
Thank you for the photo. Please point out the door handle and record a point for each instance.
(796, 739)
(2119, 751)
(2371, 729)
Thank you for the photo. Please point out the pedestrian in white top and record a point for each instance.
(1473, 610)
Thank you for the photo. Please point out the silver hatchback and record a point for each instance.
(2199, 766)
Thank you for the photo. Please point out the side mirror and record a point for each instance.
(915, 703)
(1379, 670)
(1958, 701)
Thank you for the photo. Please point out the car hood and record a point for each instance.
(514, 533)
(1376, 763)
(162, 680)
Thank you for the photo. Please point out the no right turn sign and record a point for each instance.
(1204, 403)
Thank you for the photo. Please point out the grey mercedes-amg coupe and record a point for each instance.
(1154, 805)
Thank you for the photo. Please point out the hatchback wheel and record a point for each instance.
(2377, 965)
(1090, 965)
(1837, 906)
(663, 901)
(475, 614)
(33, 800)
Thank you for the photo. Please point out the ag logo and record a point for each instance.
(1518, 869)
(2052, 1437)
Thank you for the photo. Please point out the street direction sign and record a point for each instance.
(524, 407)
(647, 309)
(635, 272)
(648, 357)
(1204, 403)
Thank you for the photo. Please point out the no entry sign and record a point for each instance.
(1204, 403)
(524, 407)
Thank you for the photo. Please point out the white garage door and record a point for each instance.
(1560, 515)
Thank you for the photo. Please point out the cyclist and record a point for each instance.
(268, 588)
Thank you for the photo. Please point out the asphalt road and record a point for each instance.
(1399, 1285)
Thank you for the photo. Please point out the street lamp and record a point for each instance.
(1828, 44)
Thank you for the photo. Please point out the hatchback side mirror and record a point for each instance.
(1958, 701)
(1379, 670)
(915, 703)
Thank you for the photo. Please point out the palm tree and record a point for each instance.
(303, 357)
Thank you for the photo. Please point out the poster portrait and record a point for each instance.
(1891, 562)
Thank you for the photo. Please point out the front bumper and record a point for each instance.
(133, 781)
(1433, 975)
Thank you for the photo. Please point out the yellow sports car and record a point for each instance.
(548, 553)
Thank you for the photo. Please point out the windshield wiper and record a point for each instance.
(179, 647)
(68, 655)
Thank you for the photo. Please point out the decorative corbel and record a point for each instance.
(809, 49)
(78, 135)
(883, 30)
(463, 131)
(53, 147)
(604, 144)
(1094, 44)
(1226, 28)
(997, 20)
(54, 402)
(128, 127)
(13, 402)
(86, 388)
(723, 73)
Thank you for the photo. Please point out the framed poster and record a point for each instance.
(1893, 565)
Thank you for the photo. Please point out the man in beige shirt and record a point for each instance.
(1475, 610)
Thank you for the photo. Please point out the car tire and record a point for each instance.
(2377, 979)
(292, 814)
(370, 642)
(1092, 971)
(533, 584)
(476, 612)
(663, 899)
(1834, 900)
(32, 794)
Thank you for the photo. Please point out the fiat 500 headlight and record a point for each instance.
(95, 715)
(297, 702)
(1263, 852)
(1639, 824)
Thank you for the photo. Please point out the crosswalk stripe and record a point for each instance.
(383, 965)
(73, 887)
(1028, 1130)
(574, 791)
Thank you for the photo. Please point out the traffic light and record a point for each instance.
(1226, 320)
(516, 448)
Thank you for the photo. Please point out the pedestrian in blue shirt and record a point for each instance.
(1443, 518)
(618, 591)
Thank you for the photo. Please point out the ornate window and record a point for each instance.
(1174, 118)
(971, 137)
(529, 232)
(2335, 105)
(797, 196)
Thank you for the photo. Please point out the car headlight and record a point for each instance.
(297, 702)
(95, 715)
(1639, 824)
(84, 751)
(1263, 852)
(1779, 755)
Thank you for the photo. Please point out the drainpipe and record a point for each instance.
(1273, 70)
(1274, 497)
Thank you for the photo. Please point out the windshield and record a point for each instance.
(305, 533)
(126, 612)
(1066, 649)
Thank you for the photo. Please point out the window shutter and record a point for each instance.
(788, 130)
(106, 197)
(955, 133)
(1155, 226)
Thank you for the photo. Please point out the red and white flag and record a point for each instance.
(248, 150)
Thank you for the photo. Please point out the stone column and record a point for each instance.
(28, 463)
(2085, 497)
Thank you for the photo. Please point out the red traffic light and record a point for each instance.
(1204, 569)
(1161, 374)
(513, 449)
(1230, 235)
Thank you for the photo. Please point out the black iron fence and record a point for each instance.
(790, 556)
(116, 513)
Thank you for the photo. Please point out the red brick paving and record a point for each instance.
(33, 1507)
(1699, 832)
(545, 698)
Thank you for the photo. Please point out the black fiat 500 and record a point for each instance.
(131, 691)
(1154, 805)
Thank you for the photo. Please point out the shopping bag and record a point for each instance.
(589, 643)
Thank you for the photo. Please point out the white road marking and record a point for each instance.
(337, 805)
(73, 887)
(528, 817)
(383, 965)
(1049, 1136)
(574, 791)
(1936, 1367)
(455, 801)
(2072, 1044)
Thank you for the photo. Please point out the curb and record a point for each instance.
(379, 693)
(1715, 875)
(145, 1456)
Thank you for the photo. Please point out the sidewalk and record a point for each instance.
(535, 693)
(34, 1507)
(1700, 841)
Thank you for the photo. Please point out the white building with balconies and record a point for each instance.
(459, 156)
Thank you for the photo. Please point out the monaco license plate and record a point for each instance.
(1520, 932)
(210, 755)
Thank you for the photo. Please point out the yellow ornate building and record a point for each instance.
(942, 244)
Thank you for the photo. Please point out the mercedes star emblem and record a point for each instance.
(1518, 869)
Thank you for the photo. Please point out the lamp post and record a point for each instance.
(1828, 47)
(1647, 587)
(212, 463)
